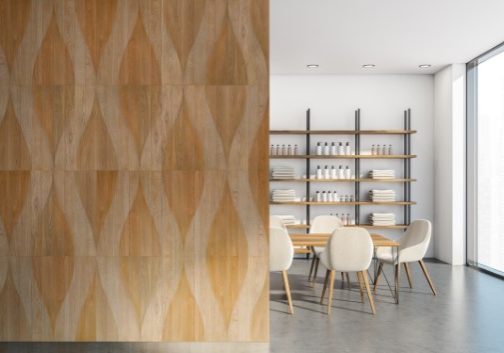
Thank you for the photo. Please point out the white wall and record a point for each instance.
(449, 164)
(382, 100)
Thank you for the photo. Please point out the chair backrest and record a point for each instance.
(325, 224)
(349, 250)
(415, 241)
(276, 222)
(281, 249)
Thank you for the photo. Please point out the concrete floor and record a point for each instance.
(467, 315)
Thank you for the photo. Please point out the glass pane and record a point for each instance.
(490, 165)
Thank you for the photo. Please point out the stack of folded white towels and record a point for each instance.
(382, 219)
(382, 174)
(283, 173)
(284, 195)
(288, 219)
(382, 195)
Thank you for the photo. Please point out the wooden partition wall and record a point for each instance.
(133, 170)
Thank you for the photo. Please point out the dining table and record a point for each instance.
(311, 240)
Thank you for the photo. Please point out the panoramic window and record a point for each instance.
(486, 161)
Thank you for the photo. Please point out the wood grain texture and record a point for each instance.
(133, 170)
(14, 153)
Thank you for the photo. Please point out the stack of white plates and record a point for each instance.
(284, 195)
(382, 195)
(283, 173)
(382, 174)
(288, 219)
(382, 219)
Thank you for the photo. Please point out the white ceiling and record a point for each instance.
(395, 35)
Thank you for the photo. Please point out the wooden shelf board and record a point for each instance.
(361, 203)
(342, 132)
(297, 226)
(302, 251)
(314, 156)
(361, 180)
(387, 132)
(397, 226)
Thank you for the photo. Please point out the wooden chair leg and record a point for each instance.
(426, 274)
(361, 286)
(349, 284)
(315, 271)
(378, 273)
(331, 290)
(342, 280)
(408, 274)
(368, 290)
(325, 287)
(287, 290)
(312, 267)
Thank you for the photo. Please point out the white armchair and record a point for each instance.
(321, 224)
(280, 257)
(413, 246)
(348, 250)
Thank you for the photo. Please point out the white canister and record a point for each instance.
(334, 173)
(341, 172)
(348, 172)
(348, 149)
(326, 149)
(334, 149)
(324, 196)
(341, 150)
(319, 149)
(327, 174)
(319, 173)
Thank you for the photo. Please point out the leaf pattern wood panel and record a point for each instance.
(132, 141)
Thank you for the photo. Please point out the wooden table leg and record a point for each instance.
(397, 275)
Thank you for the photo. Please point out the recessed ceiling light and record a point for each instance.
(424, 66)
(312, 66)
(368, 66)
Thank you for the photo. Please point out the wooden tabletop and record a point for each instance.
(320, 240)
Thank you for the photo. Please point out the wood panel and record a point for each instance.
(134, 170)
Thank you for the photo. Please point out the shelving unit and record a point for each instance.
(406, 203)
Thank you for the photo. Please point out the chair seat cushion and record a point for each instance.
(385, 254)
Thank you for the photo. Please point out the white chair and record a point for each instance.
(276, 222)
(321, 224)
(280, 257)
(412, 248)
(348, 250)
